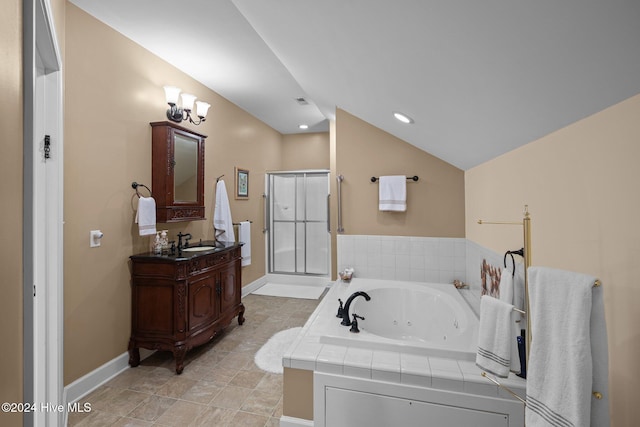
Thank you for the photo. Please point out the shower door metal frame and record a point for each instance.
(269, 221)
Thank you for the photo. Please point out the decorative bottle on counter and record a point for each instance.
(164, 240)
(157, 244)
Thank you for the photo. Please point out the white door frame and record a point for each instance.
(43, 217)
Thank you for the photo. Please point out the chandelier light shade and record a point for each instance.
(179, 114)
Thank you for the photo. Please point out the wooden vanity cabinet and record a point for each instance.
(178, 303)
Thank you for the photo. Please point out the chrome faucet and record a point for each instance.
(346, 321)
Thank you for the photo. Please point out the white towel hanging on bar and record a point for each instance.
(392, 193)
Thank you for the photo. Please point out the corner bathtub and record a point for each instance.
(427, 319)
(412, 361)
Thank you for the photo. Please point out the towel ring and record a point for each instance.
(504, 261)
(135, 186)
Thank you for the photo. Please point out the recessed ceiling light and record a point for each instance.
(304, 126)
(402, 117)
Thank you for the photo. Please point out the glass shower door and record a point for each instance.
(298, 225)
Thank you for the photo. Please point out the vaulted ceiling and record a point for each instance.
(479, 78)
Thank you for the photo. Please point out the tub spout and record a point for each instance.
(346, 321)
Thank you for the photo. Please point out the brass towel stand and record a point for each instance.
(526, 225)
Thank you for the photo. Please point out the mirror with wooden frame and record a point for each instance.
(177, 171)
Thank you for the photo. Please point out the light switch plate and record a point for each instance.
(95, 238)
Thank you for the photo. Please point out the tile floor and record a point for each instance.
(220, 385)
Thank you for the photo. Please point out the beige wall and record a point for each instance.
(113, 89)
(581, 185)
(58, 8)
(11, 185)
(305, 151)
(435, 204)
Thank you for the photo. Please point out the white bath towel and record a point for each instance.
(506, 296)
(222, 222)
(244, 236)
(600, 360)
(560, 368)
(392, 193)
(146, 216)
(494, 336)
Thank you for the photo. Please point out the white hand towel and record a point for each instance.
(560, 369)
(392, 193)
(222, 222)
(244, 236)
(506, 296)
(494, 336)
(146, 216)
(518, 290)
(506, 286)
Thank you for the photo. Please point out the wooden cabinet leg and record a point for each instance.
(241, 315)
(178, 354)
(134, 355)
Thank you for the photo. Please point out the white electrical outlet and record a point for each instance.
(95, 238)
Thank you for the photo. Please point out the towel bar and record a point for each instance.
(595, 394)
(504, 387)
(413, 178)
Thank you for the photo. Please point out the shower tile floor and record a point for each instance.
(220, 385)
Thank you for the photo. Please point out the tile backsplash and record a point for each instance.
(419, 259)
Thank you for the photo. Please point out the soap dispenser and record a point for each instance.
(164, 240)
(157, 245)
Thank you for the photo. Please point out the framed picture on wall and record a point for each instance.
(242, 183)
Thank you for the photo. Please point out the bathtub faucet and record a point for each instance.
(346, 321)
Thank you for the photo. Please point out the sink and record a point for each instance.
(198, 248)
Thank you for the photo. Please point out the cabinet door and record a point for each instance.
(202, 301)
(153, 302)
(230, 286)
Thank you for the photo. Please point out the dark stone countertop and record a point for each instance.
(184, 255)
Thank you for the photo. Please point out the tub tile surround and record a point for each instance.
(418, 259)
(307, 352)
(421, 259)
(474, 256)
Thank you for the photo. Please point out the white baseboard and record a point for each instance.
(94, 379)
(256, 284)
(294, 422)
